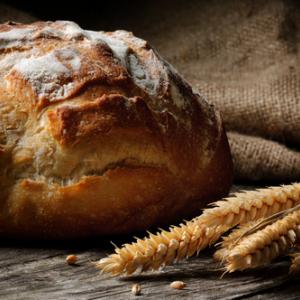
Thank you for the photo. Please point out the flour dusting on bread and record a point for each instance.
(45, 74)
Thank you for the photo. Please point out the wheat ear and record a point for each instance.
(252, 205)
(183, 241)
(261, 247)
(230, 241)
(295, 263)
(161, 249)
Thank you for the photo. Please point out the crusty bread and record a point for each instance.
(99, 135)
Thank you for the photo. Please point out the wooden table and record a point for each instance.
(40, 272)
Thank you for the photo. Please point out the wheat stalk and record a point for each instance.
(183, 241)
(263, 246)
(295, 263)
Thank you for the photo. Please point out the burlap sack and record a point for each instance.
(244, 57)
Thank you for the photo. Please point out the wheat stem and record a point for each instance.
(183, 241)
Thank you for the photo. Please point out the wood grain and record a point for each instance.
(39, 271)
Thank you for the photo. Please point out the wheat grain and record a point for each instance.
(178, 285)
(71, 259)
(263, 246)
(136, 289)
(183, 241)
(295, 263)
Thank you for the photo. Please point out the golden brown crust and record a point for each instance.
(72, 125)
(99, 135)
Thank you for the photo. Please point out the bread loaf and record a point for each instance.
(99, 135)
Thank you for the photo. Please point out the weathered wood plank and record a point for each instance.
(39, 271)
(35, 273)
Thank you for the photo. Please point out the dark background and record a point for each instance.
(101, 15)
